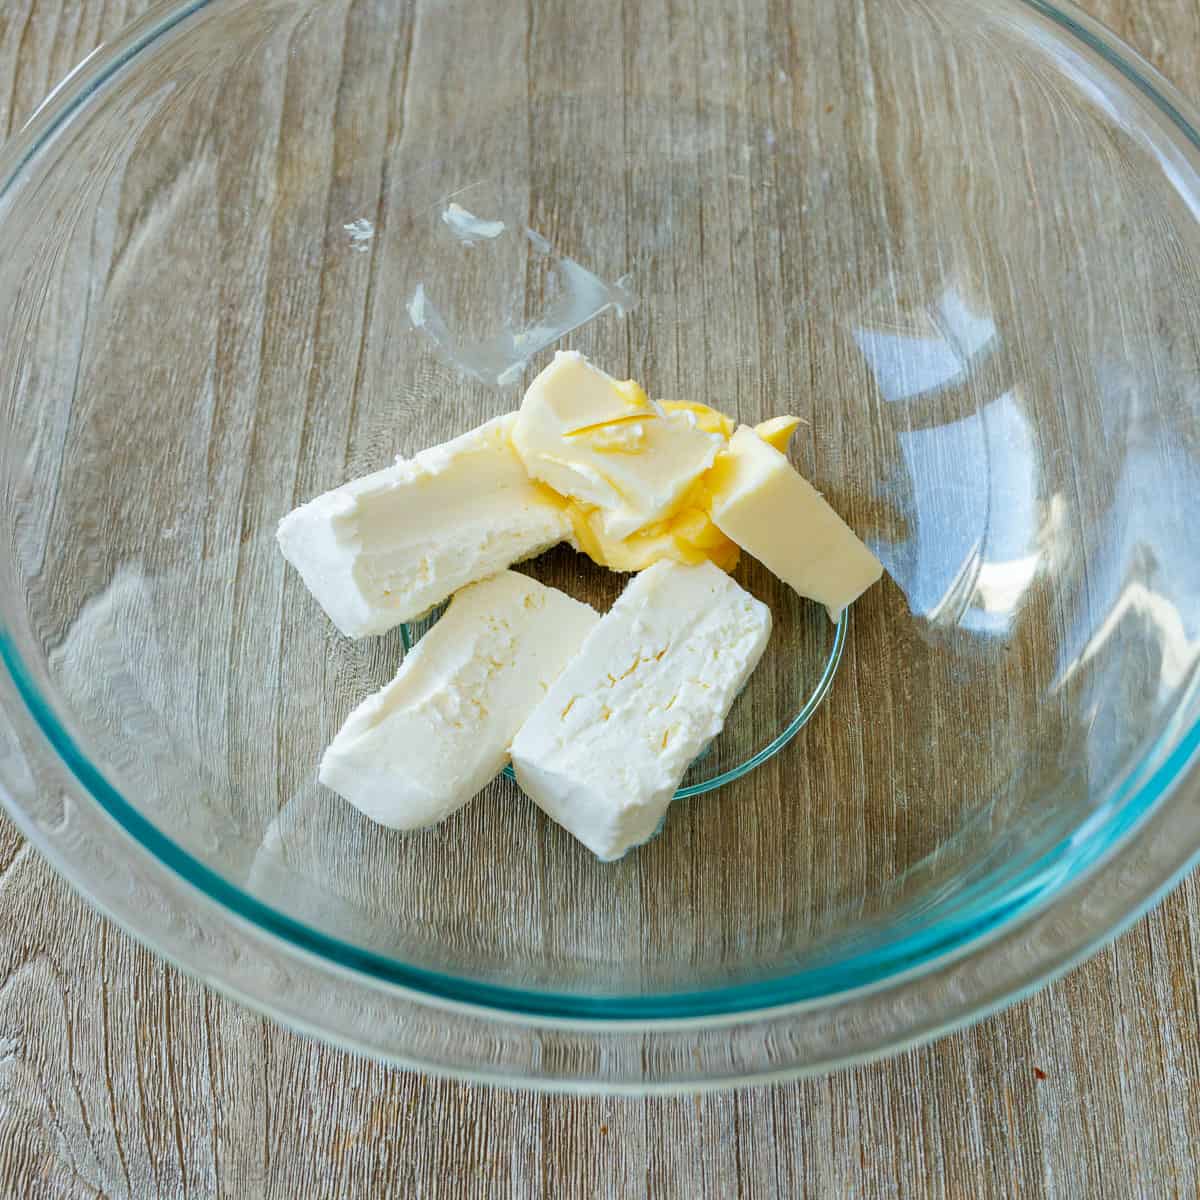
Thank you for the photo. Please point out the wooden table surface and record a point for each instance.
(121, 1077)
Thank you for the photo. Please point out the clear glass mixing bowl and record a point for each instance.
(958, 238)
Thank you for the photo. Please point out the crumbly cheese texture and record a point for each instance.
(439, 733)
(652, 684)
(390, 546)
(603, 444)
(774, 514)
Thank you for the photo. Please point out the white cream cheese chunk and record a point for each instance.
(390, 546)
(605, 750)
(773, 513)
(418, 750)
(603, 443)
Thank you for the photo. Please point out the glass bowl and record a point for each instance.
(250, 250)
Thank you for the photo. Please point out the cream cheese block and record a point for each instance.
(390, 546)
(605, 749)
(440, 732)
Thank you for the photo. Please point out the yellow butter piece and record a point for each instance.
(636, 478)
(775, 514)
(776, 432)
(601, 443)
(688, 537)
(708, 419)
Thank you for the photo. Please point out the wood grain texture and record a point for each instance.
(121, 1077)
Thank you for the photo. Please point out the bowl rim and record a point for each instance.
(1135, 810)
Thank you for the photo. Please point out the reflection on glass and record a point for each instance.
(976, 518)
(1152, 556)
(1131, 650)
(970, 483)
(914, 353)
(494, 342)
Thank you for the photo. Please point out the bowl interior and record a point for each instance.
(949, 237)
